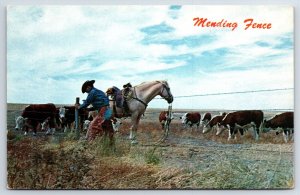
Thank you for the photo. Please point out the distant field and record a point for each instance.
(188, 159)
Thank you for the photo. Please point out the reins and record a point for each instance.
(166, 129)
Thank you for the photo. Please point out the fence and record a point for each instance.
(16, 107)
(14, 110)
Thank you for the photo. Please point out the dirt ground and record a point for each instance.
(188, 159)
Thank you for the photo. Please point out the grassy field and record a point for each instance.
(188, 159)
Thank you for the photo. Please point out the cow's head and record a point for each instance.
(116, 124)
(86, 125)
(62, 115)
(204, 122)
(62, 112)
(20, 123)
(206, 128)
(266, 126)
(184, 118)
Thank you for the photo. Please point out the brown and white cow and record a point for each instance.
(35, 114)
(206, 118)
(241, 120)
(214, 123)
(190, 119)
(283, 122)
(91, 116)
(116, 123)
(163, 116)
(67, 117)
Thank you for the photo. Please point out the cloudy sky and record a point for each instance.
(52, 50)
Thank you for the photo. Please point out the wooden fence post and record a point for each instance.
(77, 120)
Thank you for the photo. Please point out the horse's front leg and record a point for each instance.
(135, 118)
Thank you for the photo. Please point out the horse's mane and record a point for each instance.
(151, 82)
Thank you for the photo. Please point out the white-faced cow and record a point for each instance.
(241, 120)
(190, 119)
(214, 123)
(35, 114)
(163, 116)
(206, 118)
(116, 123)
(283, 122)
(91, 116)
(67, 117)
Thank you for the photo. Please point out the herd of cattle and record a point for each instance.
(238, 121)
(48, 117)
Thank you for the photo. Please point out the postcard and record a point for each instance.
(150, 97)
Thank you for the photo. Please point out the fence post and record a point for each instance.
(77, 120)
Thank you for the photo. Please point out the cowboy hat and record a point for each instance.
(87, 83)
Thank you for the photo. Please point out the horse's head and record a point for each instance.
(166, 92)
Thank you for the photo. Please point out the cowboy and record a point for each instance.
(100, 102)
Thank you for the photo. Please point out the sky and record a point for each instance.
(52, 50)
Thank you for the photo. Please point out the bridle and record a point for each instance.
(167, 88)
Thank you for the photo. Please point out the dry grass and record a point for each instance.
(188, 160)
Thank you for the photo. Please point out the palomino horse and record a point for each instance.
(142, 94)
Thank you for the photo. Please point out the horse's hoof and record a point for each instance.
(134, 142)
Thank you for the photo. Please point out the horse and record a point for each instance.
(141, 95)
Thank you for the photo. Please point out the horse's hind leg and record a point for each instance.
(135, 118)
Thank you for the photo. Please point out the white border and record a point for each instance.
(3, 155)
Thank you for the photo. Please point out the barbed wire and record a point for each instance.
(229, 93)
(233, 92)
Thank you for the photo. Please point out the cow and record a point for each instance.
(214, 122)
(86, 125)
(206, 118)
(283, 122)
(241, 120)
(190, 119)
(35, 114)
(163, 116)
(67, 117)
(92, 114)
(116, 123)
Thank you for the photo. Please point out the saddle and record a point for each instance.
(120, 98)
